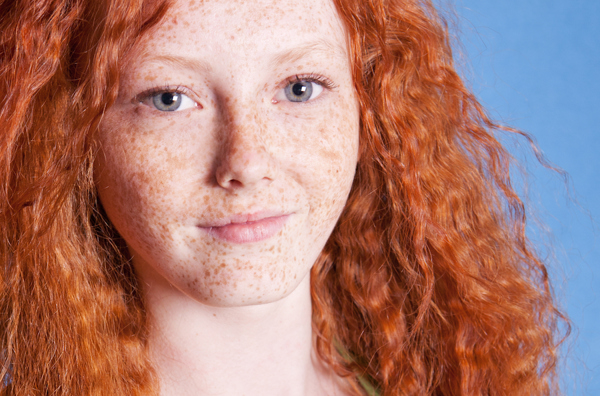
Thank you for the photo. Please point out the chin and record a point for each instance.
(227, 283)
(247, 292)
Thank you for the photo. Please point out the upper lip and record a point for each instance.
(242, 218)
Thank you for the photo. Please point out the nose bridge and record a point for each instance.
(244, 158)
(243, 130)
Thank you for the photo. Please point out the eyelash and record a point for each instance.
(315, 78)
(159, 89)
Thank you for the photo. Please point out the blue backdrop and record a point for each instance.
(536, 65)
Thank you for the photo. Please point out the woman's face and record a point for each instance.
(230, 152)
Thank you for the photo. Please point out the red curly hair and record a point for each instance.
(428, 284)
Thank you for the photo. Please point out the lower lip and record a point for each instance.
(251, 231)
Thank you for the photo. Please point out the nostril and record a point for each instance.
(229, 183)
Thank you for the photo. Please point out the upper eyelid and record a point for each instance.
(312, 77)
(138, 98)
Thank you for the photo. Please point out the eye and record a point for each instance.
(172, 101)
(299, 91)
(168, 100)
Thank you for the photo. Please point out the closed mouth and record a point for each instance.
(247, 228)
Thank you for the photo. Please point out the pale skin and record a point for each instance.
(226, 202)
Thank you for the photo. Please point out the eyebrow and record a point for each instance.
(182, 61)
(321, 47)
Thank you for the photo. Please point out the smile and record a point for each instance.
(248, 229)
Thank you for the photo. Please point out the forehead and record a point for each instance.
(252, 28)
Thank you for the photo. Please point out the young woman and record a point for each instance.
(257, 198)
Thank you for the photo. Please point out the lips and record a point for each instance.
(247, 228)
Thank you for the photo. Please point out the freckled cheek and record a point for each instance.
(144, 175)
(330, 165)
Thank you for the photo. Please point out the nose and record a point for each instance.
(244, 160)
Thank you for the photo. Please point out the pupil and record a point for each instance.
(298, 89)
(168, 98)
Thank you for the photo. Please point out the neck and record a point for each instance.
(262, 349)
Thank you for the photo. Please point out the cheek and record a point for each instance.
(122, 175)
(136, 178)
(328, 164)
